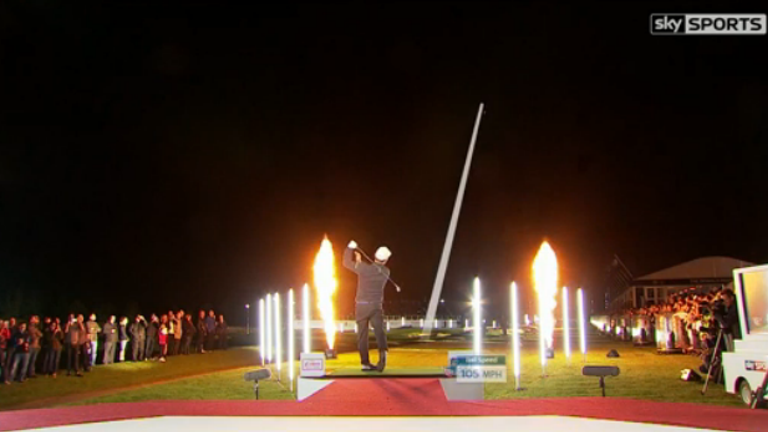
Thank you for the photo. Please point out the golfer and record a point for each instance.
(371, 279)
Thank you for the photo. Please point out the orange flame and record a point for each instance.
(545, 279)
(325, 286)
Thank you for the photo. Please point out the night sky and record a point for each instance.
(177, 156)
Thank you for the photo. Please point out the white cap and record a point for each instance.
(382, 254)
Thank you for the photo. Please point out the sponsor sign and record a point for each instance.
(708, 24)
(312, 364)
(755, 365)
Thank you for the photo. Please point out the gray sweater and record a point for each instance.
(371, 279)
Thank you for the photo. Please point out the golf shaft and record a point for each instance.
(362, 252)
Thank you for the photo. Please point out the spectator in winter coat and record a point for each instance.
(54, 340)
(152, 329)
(210, 326)
(202, 333)
(85, 345)
(171, 325)
(110, 340)
(123, 337)
(73, 331)
(138, 338)
(221, 332)
(93, 328)
(21, 341)
(178, 331)
(35, 335)
(10, 348)
(189, 332)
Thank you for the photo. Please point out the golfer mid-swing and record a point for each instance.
(371, 279)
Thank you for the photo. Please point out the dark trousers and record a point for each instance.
(373, 314)
(33, 354)
(200, 343)
(187, 342)
(171, 345)
(9, 352)
(210, 341)
(51, 361)
(85, 355)
(137, 346)
(109, 352)
(222, 341)
(176, 346)
(151, 344)
(73, 358)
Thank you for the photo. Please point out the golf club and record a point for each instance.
(365, 255)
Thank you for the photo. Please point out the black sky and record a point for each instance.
(175, 156)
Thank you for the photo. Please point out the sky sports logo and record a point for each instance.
(708, 24)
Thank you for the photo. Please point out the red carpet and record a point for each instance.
(403, 397)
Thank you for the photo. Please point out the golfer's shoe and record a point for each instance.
(369, 367)
(382, 361)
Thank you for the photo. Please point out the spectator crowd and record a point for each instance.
(29, 349)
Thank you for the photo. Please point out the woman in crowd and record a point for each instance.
(163, 337)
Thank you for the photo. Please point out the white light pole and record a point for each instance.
(478, 324)
(270, 357)
(582, 336)
(291, 353)
(306, 338)
(247, 318)
(402, 322)
(278, 337)
(566, 326)
(515, 336)
(262, 332)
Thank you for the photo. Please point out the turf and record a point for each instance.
(42, 390)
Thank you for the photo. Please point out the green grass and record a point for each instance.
(644, 374)
(36, 392)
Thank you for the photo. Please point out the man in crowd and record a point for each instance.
(210, 329)
(4, 341)
(110, 340)
(189, 332)
(123, 337)
(21, 353)
(10, 349)
(138, 337)
(35, 335)
(73, 331)
(731, 317)
(152, 328)
(202, 330)
(178, 331)
(93, 328)
(85, 345)
(171, 340)
(53, 337)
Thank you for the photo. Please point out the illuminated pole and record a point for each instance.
(582, 337)
(262, 332)
(477, 322)
(247, 318)
(421, 323)
(270, 358)
(305, 339)
(566, 326)
(443, 265)
(278, 337)
(291, 353)
(402, 322)
(515, 336)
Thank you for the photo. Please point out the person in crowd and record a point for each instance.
(10, 349)
(85, 345)
(210, 327)
(35, 335)
(162, 337)
(178, 331)
(110, 340)
(93, 328)
(221, 332)
(54, 338)
(72, 340)
(171, 331)
(123, 337)
(202, 333)
(731, 316)
(4, 336)
(188, 327)
(21, 343)
(138, 332)
(152, 328)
